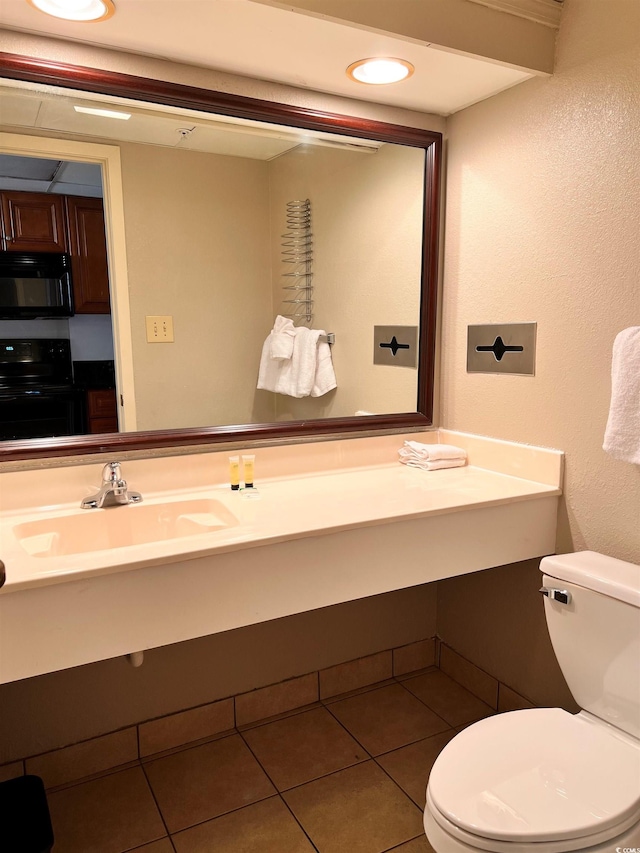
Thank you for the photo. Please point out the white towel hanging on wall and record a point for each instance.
(309, 371)
(325, 377)
(281, 338)
(622, 435)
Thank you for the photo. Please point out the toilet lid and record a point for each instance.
(538, 775)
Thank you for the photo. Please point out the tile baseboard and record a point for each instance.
(177, 730)
(486, 687)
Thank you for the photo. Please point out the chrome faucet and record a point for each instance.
(113, 490)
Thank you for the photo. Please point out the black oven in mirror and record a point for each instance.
(35, 284)
(37, 396)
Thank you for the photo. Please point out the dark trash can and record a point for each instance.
(25, 825)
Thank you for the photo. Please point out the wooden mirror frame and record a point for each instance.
(17, 67)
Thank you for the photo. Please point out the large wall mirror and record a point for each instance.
(195, 187)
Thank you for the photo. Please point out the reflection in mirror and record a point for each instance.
(204, 249)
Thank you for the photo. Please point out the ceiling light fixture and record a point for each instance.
(76, 10)
(94, 111)
(379, 71)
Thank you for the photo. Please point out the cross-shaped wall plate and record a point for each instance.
(396, 346)
(502, 348)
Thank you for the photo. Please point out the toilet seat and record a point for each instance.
(453, 838)
(538, 776)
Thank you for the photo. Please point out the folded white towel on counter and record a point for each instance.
(281, 338)
(433, 466)
(309, 371)
(432, 452)
(432, 457)
(622, 434)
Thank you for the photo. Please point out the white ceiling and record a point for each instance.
(28, 107)
(251, 39)
(50, 176)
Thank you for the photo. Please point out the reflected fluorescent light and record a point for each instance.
(76, 10)
(380, 71)
(94, 111)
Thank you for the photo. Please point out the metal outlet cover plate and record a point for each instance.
(395, 345)
(502, 348)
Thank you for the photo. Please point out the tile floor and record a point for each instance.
(346, 775)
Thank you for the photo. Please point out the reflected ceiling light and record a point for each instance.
(76, 10)
(94, 111)
(379, 71)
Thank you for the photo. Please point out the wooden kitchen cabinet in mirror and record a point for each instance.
(33, 222)
(88, 248)
(101, 410)
(195, 224)
(42, 222)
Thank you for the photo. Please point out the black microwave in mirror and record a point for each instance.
(35, 284)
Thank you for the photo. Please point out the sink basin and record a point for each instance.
(118, 527)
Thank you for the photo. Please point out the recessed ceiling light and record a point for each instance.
(76, 10)
(94, 111)
(379, 71)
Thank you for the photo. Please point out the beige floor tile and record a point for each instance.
(11, 771)
(163, 846)
(407, 675)
(447, 698)
(107, 815)
(265, 827)
(355, 674)
(411, 765)
(305, 747)
(418, 845)
(387, 718)
(156, 755)
(85, 759)
(98, 775)
(276, 717)
(358, 810)
(206, 781)
(366, 689)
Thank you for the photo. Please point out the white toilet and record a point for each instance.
(545, 780)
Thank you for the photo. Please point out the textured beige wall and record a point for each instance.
(495, 619)
(197, 228)
(366, 222)
(542, 225)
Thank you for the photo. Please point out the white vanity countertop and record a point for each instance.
(336, 521)
(292, 507)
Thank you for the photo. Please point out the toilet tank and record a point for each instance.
(596, 635)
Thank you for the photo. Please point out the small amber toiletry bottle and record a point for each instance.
(248, 460)
(234, 472)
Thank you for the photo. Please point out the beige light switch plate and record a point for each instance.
(160, 329)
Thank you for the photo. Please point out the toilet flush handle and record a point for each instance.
(561, 595)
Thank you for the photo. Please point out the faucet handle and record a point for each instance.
(111, 472)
